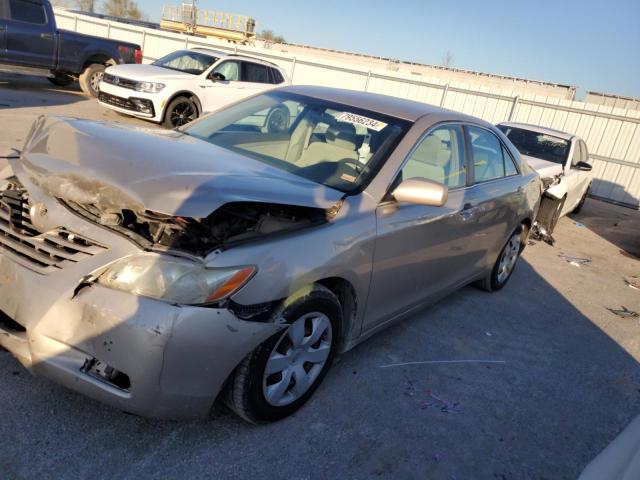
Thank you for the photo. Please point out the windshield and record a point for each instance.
(186, 61)
(537, 145)
(335, 145)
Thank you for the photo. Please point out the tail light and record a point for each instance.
(130, 55)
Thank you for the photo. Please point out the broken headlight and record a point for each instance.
(174, 279)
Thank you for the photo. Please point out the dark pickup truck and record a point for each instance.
(29, 39)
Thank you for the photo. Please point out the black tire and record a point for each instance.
(582, 200)
(61, 80)
(90, 79)
(179, 112)
(244, 392)
(493, 282)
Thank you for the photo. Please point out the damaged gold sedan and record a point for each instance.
(231, 260)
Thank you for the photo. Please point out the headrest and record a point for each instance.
(432, 151)
(342, 135)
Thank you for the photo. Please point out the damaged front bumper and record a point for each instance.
(137, 354)
(550, 211)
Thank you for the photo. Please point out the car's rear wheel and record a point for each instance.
(181, 110)
(90, 79)
(279, 376)
(506, 262)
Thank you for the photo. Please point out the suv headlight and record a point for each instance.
(173, 279)
(149, 87)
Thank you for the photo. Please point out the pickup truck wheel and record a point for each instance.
(180, 111)
(280, 375)
(61, 80)
(90, 79)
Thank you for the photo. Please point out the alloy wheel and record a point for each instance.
(95, 80)
(509, 258)
(182, 114)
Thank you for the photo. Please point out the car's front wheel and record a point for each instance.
(506, 262)
(279, 376)
(181, 110)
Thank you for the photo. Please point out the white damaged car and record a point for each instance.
(562, 161)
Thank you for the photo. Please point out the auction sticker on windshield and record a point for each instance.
(370, 123)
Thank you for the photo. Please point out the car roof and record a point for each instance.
(221, 54)
(538, 129)
(208, 51)
(387, 105)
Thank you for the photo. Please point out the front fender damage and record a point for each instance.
(554, 191)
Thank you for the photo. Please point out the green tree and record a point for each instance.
(269, 36)
(122, 9)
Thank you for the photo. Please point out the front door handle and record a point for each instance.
(46, 36)
(468, 210)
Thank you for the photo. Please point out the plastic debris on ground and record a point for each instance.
(575, 261)
(624, 312)
(633, 282)
(580, 225)
(538, 232)
(430, 399)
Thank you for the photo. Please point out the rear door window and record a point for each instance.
(28, 12)
(276, 76)
(255, 73)
(489, 161)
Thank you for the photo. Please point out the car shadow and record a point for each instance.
(23, 91)
(618, 225)
(557, 391)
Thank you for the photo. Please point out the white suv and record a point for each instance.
(185, 84)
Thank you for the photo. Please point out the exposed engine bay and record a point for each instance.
(231, 224)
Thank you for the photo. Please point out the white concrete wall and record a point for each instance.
(612, 134)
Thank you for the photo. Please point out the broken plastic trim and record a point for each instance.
(106, 373)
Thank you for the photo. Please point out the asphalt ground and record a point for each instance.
(528, 383)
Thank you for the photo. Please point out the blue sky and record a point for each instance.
(594, 45)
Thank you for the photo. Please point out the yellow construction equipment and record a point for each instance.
(186, 18)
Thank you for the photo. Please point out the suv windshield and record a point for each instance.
(537, 145)
(186, 61)
(335, 145)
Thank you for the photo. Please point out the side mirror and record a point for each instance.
(421, 191)
(217, 77)
(583, 166)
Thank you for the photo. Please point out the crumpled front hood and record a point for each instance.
(544, 168)
(124, 167)
(147, 72)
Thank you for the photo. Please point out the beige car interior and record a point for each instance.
(436, 158)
